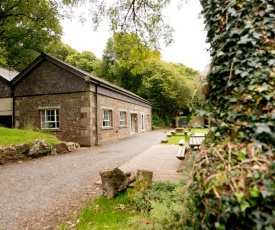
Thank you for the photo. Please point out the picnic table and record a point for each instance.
(196, 140)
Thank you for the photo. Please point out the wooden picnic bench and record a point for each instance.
(181, 153)
(196, 140)
(181, 150)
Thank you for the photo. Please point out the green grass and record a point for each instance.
(174, 140)
(104, 214)
(197, 130)
(18, 136)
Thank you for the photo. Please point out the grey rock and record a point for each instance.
(40, 148)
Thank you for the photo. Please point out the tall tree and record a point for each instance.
(27, 25)
(124, 60)
(168, 87)
(84, 60)
(59, 49)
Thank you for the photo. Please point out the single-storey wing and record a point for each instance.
(53, 95)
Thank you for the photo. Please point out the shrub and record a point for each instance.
(233, 188)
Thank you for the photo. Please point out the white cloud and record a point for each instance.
(189, 47)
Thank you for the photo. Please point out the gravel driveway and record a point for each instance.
(38, 194)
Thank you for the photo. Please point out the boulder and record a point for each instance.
(72, 146)
(64, 147)
(40, 148)
(13, 153)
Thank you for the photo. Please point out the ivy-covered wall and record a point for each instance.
(234, 175)
(242, 79)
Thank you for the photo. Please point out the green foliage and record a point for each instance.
(143, 18)
(111, 69)
(132, 54)
(59, 50)
(158, 206)
(26, 27)
(104, 214)
(233, 188)
(84, 60)
(3, 56)
(242, 79)
(160, 192)
(233, 181)
(157, 121)
(168, 87)
(18, 136)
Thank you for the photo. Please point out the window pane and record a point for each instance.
(106, 118)
(50, 119)
(122, 119)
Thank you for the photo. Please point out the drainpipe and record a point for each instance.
(13, 105)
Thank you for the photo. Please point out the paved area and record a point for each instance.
(38, 194)
(160, 159)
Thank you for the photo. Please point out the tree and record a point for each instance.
(124, 60)
(84, 60)
(59, 50)
(168, 87)
(27, 26)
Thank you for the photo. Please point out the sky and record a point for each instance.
(189, 47)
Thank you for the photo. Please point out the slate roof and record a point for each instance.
(78, 72)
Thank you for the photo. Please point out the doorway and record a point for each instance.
(6, 121)
(133, 123)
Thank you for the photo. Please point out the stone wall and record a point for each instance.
(48, 78)
(75, 114)
(117, 132)
(131, 98)
(5, 89)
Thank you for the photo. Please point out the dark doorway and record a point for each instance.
(6, 121)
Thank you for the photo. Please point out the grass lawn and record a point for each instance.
(18, 136)
(174, 140)
(103, 214)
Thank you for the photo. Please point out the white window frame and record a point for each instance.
(49, 118)
(106, 118)
(122, 118)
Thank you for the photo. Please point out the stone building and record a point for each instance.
(6, 96)
(53, 95)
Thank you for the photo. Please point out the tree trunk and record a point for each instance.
(115, 181)
(144, 179)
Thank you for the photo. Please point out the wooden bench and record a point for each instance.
(196, 140)
(181, 142)
(181, 153)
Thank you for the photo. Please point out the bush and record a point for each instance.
(233, 188)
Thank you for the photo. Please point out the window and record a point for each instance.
(106, 118)
(142, 123)
(122, 118)
(50, 119)
(147, 118)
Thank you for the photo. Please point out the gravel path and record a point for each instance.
(38, 194)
